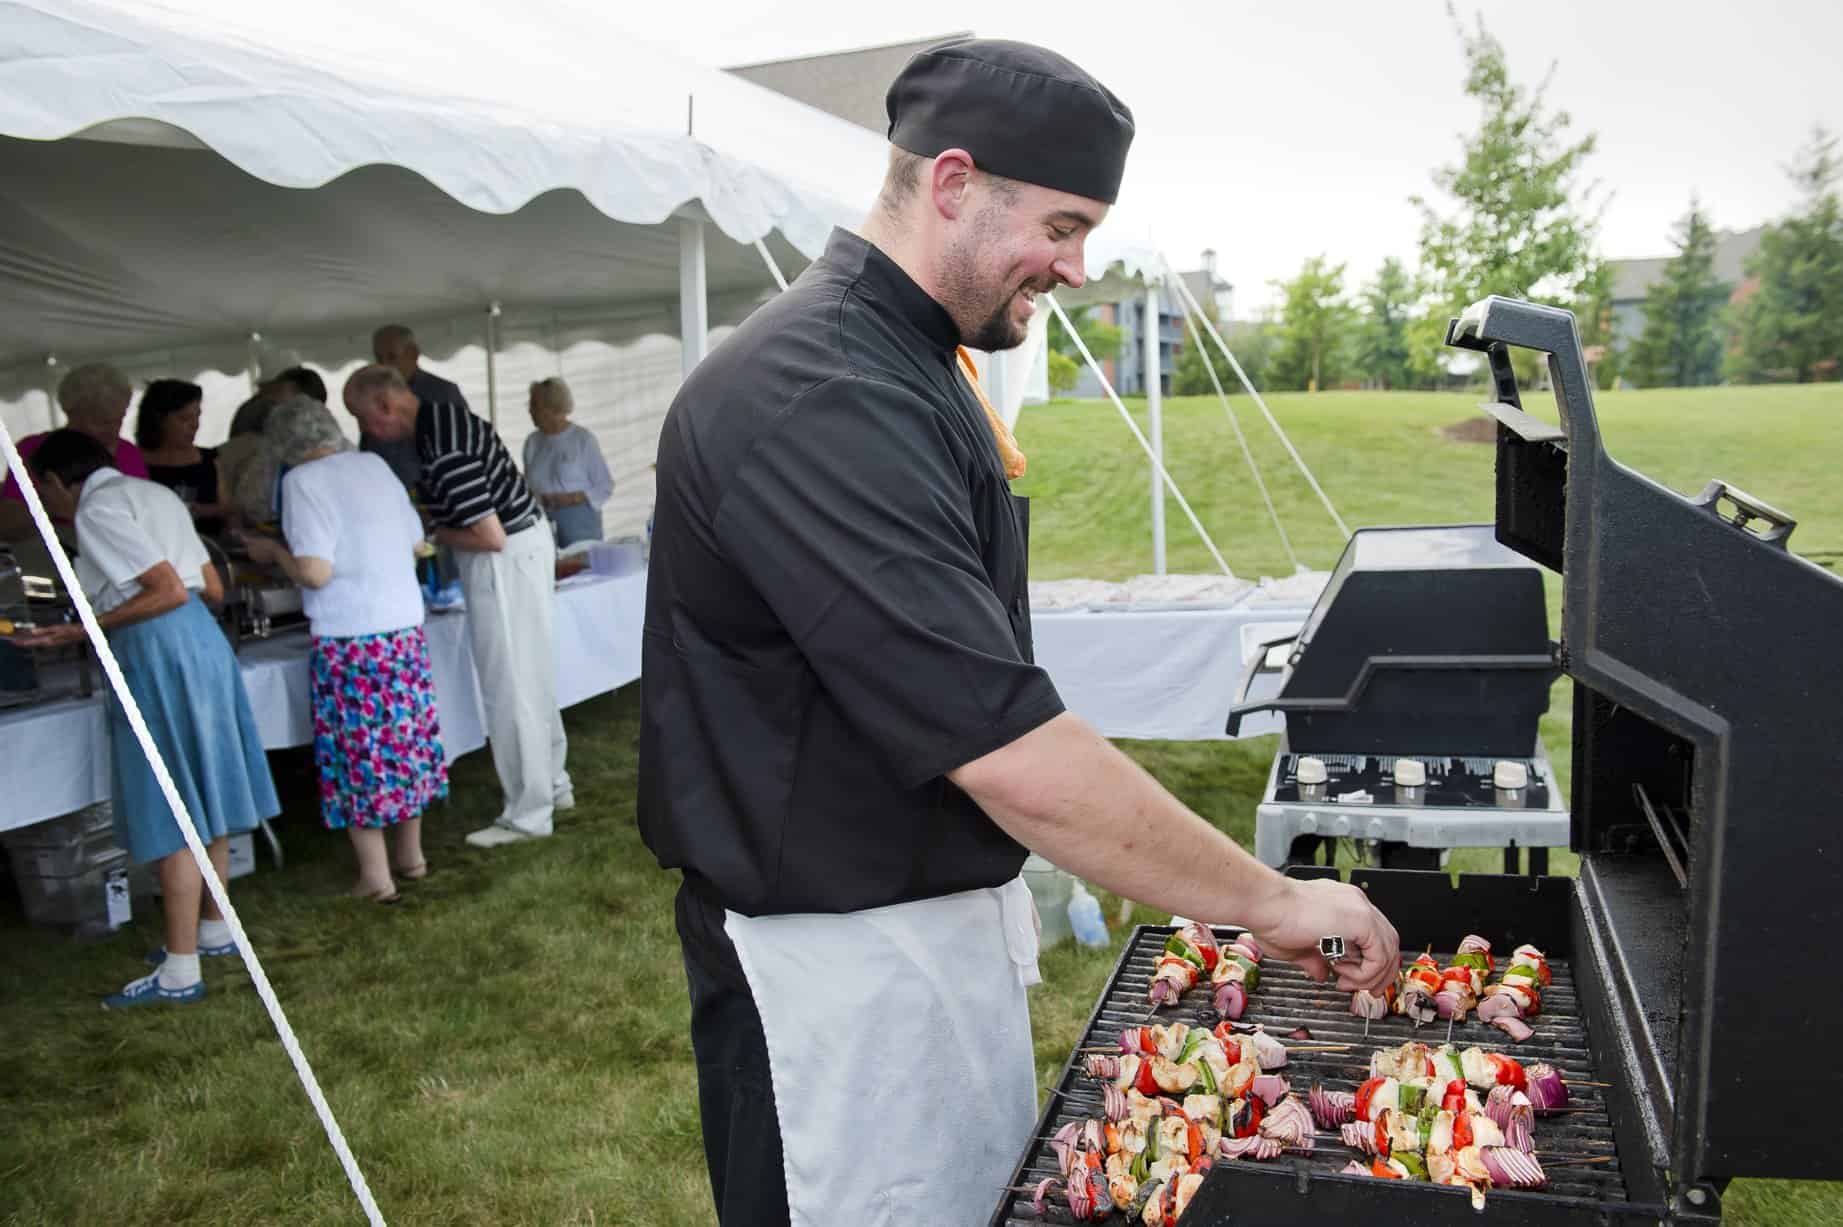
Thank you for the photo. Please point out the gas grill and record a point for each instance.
(1690, 956)
(1428, 648)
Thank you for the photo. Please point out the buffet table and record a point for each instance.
(55, 756)
(1163, 674)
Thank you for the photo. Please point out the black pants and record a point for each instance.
(742, 1136)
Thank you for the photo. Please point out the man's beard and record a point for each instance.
(963, 282)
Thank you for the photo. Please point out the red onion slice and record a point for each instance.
(1498, 1005)
(1093, 1137)
(1270, 1089)
(1447, 1005)
(1231, 1000)
(1497, 1105)
(1114, 1101)
(1330, 1109)
(1290, 1124)
(1353, 1168)
(1270, 1052)
(1299, 1033)
(1248, 946)
(1064, 1146)
(1512, 1169)
(1257, 1147)
(1359, 1136)
(1547, 1092)
(1514, 1027)
(1046, 1189)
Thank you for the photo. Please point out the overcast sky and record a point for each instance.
(1276, 131)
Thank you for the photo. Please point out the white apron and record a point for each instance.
(899, 1044)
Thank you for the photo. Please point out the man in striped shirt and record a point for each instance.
(478, 504)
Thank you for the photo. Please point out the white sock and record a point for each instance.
(214, 933)
(179, 970)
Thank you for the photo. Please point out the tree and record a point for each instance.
(1382, 341)
(1680, 346)
(1793, 324)
(1251, 343)
(1593, 313)
(1519, 224)
(1315, 323)
(1102, 339)
(1064, 373)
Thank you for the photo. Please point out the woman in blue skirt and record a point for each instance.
(143, 568)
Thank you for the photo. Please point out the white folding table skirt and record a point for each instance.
(54, 757)
(1161, 674)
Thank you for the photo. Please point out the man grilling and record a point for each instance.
(844, 743)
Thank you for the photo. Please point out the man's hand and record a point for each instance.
(1311, 909)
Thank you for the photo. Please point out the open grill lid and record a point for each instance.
(1707, 776)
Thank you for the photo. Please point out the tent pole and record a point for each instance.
(1154, 399)
(51, 391)
(693, 308)
(492, 371)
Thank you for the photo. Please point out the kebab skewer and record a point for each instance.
(1193, 953)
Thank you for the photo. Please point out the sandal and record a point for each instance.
(376, 897)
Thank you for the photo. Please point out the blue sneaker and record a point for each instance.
(147, 991)
(157, 955)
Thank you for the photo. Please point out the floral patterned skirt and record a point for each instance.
(376, 737)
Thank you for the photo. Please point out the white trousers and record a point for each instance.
(511, 619)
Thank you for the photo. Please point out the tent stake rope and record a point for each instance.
(1265, 411)
(1170, 482)
(1209, 365)
(219, 895)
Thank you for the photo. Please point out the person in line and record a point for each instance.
(844, 745)
(94, 398)
(394, 345)
(564, 466)
(481, 507)
(244, 447)
(144, 569)
(166, 430)
(351, 540)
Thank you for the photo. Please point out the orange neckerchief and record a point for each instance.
(1008, 452)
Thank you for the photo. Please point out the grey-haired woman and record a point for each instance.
(351, 546)
(564, 466)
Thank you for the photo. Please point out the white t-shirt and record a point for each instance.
(350, 510)
(569, 462)
(126, 526)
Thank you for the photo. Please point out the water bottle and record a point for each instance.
(1085, 917)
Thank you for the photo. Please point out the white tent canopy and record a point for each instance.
(542, 168)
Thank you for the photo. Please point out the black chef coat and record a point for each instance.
(836, 610)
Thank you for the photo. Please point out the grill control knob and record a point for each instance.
(1312, 777)
(1510, 775)
(1410, 773)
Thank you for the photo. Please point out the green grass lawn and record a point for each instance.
(508, 1045)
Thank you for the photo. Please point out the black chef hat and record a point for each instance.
(1022, 111)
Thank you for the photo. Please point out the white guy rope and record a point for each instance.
(774, 270)
(1265, 411)
(1209, 365)
(218, 894)
(1133, 426)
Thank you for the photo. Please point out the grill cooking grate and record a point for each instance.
(1286, 1000)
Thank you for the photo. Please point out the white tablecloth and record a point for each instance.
(1167, 674)
(54, 757)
